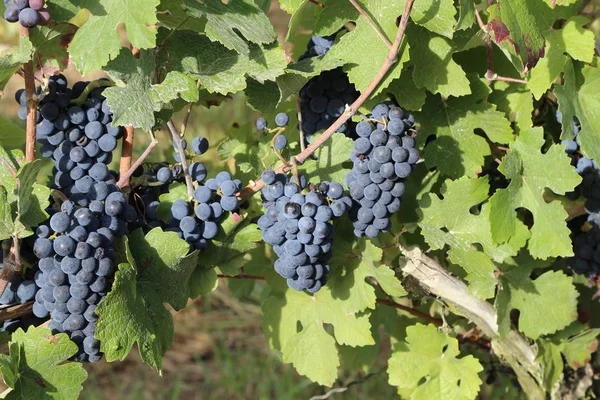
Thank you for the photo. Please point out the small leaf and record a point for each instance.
(98, 41)
(177, 191)
(527, 168)
(428, 367)
(13, 58)
(225, 23)
(37, 366)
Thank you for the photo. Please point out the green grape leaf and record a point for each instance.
(436, 16)
(37, 367)
(466, 15)
(7, 224)
(583, 102)
(230, 249)
(457, 151)
(284, 311)
(427, 366)
(291, 6)
(545, 305)
(98, 41)
(405, 91)
(335, 14)
(554, 3)
(13, 58)
(63, 10)
(219, 69)
(434, 68)
(527, 168)
(136, 102)
(577, 342)
(155, 270)
(549, 356)
(50, 44)
(572, 39)
(450, 222)
(353, 46)
(518, 23)
(32, 198)
(352, 264)
(225, 23)
(516, 103)
(13, 136)
(262, 97)
(331, 157)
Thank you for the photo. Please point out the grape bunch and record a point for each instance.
(29, 13)
(74, 248)
(198, 221)
(299, 226)
(324, 98)
(384, 155)
(587, 252)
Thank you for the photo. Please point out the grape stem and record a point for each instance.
(125, 177)
(179, 146)
(28, 76)
(391, 59)
(126, 154)
(16, 311)
(411, 311)
(243, 276)
(91, 86)
(370, 21)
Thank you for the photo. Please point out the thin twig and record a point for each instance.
(16, 311)
(243, 276)
(343, 389)
(179, 146)
(300, 130)
(392, 57)
(372, 23)
(186, 120)
(317, 3)
(126, 154)
(411, 311)
(125, 177)
(494, 77)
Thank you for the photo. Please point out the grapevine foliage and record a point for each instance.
(418, 189)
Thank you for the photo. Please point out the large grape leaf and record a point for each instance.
(13, 136)
(582, 101)
(436, 15)
(98, 40)
(135, 100)
(352, 266)
(572, 39)
(434, 68)
(217, 68)
(457, 150)
(353, 46)
(284, 311)
(450, 222)
(154, 270)
(546, 304)
(527, 168)
(226, 21)
(335, 15)
(37, 366)
(13, 58)
(427, 366)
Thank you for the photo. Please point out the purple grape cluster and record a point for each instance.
(300, 228)
(324, 98)
(586, 260)
(74, 248)
(384, 156)
(29, 13)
